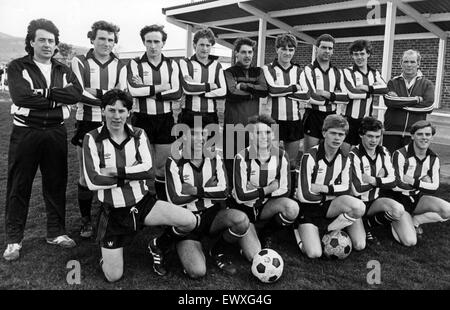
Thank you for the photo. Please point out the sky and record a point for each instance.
(75, 17)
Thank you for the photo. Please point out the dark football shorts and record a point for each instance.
(314, 213)
(408, 202)
(82, 128)
(313, 122)
(290, 131)
(353, 137)
(117, 227)
(157, 127)
(207, 217)
(253, 213)
(187, 117)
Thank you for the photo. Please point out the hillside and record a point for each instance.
(14, 47)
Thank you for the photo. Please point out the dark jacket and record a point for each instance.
(404, 109)
(36, 104)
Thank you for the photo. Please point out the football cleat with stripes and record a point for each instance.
(158, 258)
(223, 263)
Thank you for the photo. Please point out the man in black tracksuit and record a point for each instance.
(40, 88)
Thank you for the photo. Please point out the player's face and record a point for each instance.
(153, 43)
(44, 45)
(202, 48)
(245, 55)
(103, 43)
(262, 136)
(198, 139)
(116, 116)
(325, 51)
(422, 138)
(371, 139)
(334, 137)
(410, 65)
(360, 58)
(285, 54)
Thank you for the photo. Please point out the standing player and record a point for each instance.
(363, 83)
(203, 81)
(323, 187)
(372, 173)
(40, 88)
(262, 185)
(410, 99)
(153, 81)
(98, 71)
(285, 93)
(118, 165)
(417, 173)
(326, 88)
(245, 85)
(199, 183)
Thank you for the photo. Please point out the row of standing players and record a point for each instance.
(155, 81)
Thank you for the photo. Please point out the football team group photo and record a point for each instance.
(185, 170)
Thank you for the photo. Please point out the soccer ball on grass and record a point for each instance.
(267, 266)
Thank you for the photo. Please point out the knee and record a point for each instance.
(409, 241)
(240, 222)
(113, 274)
(358, 209)
(397, 210)
(314, 252)
(359, 245)
(291, 210)
(196, 272)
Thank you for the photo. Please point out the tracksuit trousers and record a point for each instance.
(29, 149)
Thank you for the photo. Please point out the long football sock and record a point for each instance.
(380, 219)
(85, 201)
(342, 221)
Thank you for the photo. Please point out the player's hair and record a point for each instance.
(205, 33)
(286, 39)
(325, 37)
(360, 45)
(36, 24)
(262, 118)
(243, 41)
(335, 121)
(412, 52)
(369, 123)
(422, 124)
(103, 25)
(153, 28)
(113, 95)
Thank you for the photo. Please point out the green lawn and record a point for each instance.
(43, 266)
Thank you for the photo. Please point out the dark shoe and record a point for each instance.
(86, 230)
(371, 238)
(267, 243)
(224, 263)
(158, 258)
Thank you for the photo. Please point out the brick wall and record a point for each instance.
(428, 48)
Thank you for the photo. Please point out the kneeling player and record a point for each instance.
(198, 183)
(118, 165)
(417, 172)
(372, 173)
(323, 186)
(262, 186)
